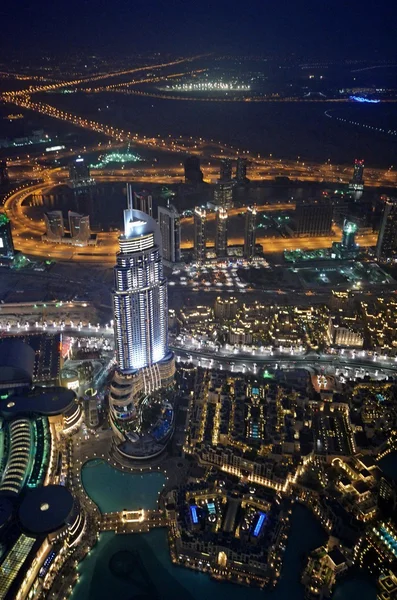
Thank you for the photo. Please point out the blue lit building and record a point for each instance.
(349, 235)
(140, 304)
(140, 296)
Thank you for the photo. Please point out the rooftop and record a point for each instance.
(45, 401)
(46, 509)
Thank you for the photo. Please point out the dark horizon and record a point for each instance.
(325, 31)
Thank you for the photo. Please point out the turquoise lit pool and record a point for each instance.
(113, 490)
(138, 566)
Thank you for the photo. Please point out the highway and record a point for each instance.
(245, 362)
(260, 167)
(57, 85)
(28, 232)
(248, 363)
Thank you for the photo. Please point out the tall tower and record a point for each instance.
(250, 232)
(140, 300)
(193, 173)
(200, 217)
(221, 233)
(55, 228)
(6, 243)
(142, 201)
(226, 170)
(79, 226)
(79, 174)
(170, 228)
(349, 235)
(358, 171)
(356, 184)
(140, 306)
(241, 170)
(386, 246)
(223, 194)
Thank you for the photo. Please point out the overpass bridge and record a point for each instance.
(132, 521)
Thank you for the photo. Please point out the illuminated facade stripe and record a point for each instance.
(140, 301)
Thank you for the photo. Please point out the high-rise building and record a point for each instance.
(142, 201)
(6, 243)
(170, 229)
(226, 172)
(200, 218)
(79, 226)
(314, 217)
(55, 228)
(4, 177)
(140, 305)
(386, 246)
(250, 232)
(241, 169)
(79, 174)
(223, 194)
(349, 235)
(356, 184)
(193, 173)
(140, 296)
(221, 233)
(358, 171)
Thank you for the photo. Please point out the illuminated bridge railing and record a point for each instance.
(135, 520)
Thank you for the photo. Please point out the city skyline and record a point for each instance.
(198, 314)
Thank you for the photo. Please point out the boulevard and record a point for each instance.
(27, 232)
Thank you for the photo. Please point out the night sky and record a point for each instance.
(331, 29)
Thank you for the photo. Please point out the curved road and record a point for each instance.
(28, 232)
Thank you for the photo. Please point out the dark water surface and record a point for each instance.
(138, 566)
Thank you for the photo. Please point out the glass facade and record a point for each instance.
(140, 299)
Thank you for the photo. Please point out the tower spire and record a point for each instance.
(130, 197)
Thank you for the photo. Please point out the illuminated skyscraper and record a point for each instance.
(358, 171)
(6, 243)
(55, 228)
(348, 235)
(250, 232)
(79, 174)
(386, 246)
(140, 297)
(79, 226)
(200, 217)
(170, 228)
(140, 306)
(356, 185)
(142, 201)
(241, 170)
(221, 233)
(226, 170)
(223, 194)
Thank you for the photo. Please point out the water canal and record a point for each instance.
(138, 566)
